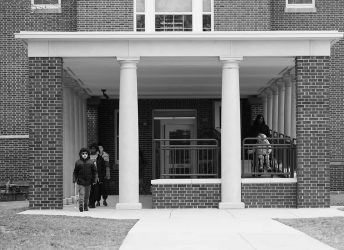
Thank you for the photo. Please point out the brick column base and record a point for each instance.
(46, 135)
(313, 127)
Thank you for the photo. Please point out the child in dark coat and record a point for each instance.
(85, 174)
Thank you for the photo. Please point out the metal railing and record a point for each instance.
(277, 159)
(186, 158)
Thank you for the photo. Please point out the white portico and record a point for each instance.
(227, 51)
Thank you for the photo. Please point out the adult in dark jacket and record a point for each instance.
(98, 188)
(84, 175)
(259, 127)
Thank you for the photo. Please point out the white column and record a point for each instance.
(270, 101)
(128, 136)
(293, 107)
(287, 105)
(281, 94)
(264, 98)
(230, 135)
(73, 154)
(274, 107)
(84, 118)
(66, 135)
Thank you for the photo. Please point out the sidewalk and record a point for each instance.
(213, 229)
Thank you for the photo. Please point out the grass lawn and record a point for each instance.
(329, 230)
(60, 232)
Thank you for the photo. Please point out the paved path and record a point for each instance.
(212, 229)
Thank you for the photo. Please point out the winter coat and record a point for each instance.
(85, 172)
(100, 167)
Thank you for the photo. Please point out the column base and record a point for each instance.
(228, 205)
(129, 206)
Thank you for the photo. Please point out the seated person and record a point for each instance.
(263, 152)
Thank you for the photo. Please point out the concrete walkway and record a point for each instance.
(208, 228)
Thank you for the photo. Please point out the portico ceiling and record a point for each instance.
(161, 77)
(177, 64)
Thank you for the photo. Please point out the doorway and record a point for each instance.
(173, 136)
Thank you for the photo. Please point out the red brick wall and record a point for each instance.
(241, 15)
(105, 15)
(313, 141)
(269, 195)
(16, 16)
(329, 16)
(14, 160)
(337, 177)
(186, 195)
(46, 133)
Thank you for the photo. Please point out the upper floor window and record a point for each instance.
(46, 6)
(300, 5)
(176, 15)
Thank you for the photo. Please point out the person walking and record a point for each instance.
(99, 163)
(104, 186)
(84, 175)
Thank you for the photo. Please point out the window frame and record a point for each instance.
(150, 11)
(302, 7)
(46, 8)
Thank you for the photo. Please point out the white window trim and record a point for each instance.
(46, 8)
(150, 13)
(300, 7)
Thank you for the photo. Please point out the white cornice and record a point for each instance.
(177, 44)
(230, 35)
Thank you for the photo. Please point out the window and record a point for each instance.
(140, 15)
(207, 15)
(300, 6)
(46, 6)
(176, 15)
(173, 15)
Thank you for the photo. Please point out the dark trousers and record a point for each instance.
(98, 190)
(102, 191)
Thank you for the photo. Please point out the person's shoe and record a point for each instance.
(92, 206)
(85, 207)
(269, 169)
(105, 203)
(98, 204)
(81, 208)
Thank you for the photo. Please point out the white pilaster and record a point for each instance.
(287, 106)
(293, 107)
(270, 102)
(281, 94)
(128, 136)
(264, 98)
(274, 107)
(66, 135)
(231, 135)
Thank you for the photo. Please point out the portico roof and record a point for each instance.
(178, 64)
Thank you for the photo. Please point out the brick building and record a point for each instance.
(185, 80)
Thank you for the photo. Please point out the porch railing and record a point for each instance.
(278, 159)
(186, 158)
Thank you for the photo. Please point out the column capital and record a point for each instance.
(230, 62)
(128, 62)
(274, 88)
(280, 84)
(287, 79)
(268, 91)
